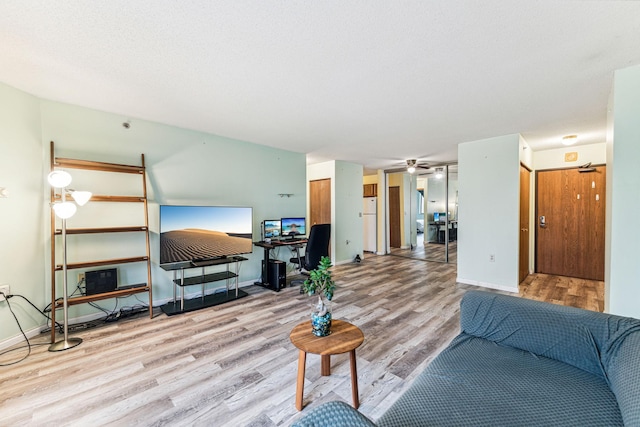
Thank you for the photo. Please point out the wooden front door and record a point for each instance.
(570, 222)
(525, 193)
(320, 201)
(394, 217)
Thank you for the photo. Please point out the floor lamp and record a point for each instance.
(65, 209)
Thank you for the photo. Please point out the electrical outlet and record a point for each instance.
(492, 258)
(6, 290)
(81, 277)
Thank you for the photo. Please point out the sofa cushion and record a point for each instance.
(475, 381)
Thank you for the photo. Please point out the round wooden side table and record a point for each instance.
(344, 338)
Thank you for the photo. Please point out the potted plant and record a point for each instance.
(320, 283)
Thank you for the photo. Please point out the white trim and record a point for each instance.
(487, 285)
(20, 339)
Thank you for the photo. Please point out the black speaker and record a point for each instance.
(277, 274)
(101, 281)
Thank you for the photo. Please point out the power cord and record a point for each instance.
(6, 298)
(111, 316)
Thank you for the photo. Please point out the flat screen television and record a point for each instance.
(290, 227)
(197, 233)
(271, 228)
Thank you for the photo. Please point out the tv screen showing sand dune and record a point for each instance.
(203, 232)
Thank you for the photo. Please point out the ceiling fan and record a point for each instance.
(411, 166)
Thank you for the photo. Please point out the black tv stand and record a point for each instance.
(182, 306)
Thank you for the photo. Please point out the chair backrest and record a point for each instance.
(317, 245)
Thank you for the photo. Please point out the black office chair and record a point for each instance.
(317, 247)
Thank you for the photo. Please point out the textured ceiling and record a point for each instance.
(372, 82)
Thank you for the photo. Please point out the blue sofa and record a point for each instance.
(518, 362)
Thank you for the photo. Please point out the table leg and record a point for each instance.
(354, 379)
(302, 358)
(325, 365)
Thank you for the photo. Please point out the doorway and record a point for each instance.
(570, 222)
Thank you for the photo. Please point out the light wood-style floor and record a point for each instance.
(233, 365)
(429, 252)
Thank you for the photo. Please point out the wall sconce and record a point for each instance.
(4, 192)
(64, 210)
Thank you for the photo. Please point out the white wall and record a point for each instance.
(22, 250)
(555, 158)
(183, 167)
(488, 193)
(622, 271)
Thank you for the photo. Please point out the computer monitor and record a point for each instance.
(439, 217)
(271, 228)
(290, 227)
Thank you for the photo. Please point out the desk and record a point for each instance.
(440, 231)
(267, 246)
(344, 338)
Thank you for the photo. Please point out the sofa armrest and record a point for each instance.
(332, 414)
(624, 375)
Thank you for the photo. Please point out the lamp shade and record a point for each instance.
(439, 173)
(411, 169)
(59, 179)
(64, 210)
(81, 197)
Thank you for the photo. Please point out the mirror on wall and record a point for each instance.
(423, 213)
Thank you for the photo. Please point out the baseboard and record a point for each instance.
(487, 285)
(381, 253)
(20, 339)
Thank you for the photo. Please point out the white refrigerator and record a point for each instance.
(370, 222)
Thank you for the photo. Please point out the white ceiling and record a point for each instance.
(368, 81)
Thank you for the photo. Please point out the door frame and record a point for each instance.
(525, 242)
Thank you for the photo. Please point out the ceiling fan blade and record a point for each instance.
(394, 170)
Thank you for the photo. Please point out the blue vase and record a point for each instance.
(321, 325)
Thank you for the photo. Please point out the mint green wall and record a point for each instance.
(348, 212)
(183, 167)
(488, 195)
(22, 226)
(622, 271)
